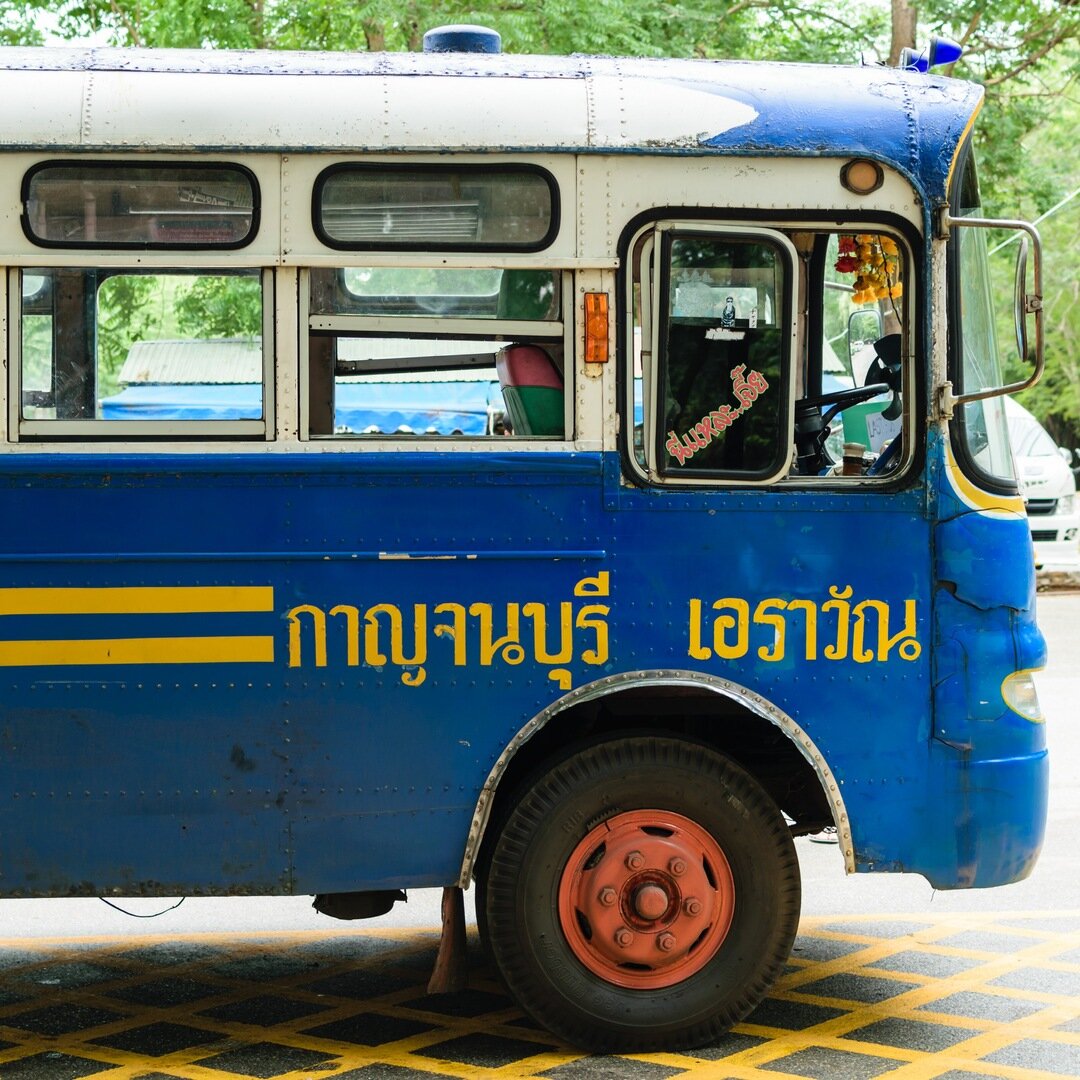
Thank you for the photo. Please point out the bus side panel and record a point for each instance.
(241, 675)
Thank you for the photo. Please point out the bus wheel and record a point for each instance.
(642, 894)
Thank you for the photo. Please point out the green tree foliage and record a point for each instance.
(220, 306)
(1050, 155)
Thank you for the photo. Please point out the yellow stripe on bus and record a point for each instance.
(976, 498)
(174, 650)
(137, 600)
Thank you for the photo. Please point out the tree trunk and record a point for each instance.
(374, 35)
(904, 18)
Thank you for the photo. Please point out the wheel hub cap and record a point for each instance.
(646, 899)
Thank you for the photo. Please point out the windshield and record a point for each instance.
(982, 424)
(1027, 435)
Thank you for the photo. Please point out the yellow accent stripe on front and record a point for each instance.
(960, 143)
(975, 497)
(173, 650)
(137, 600)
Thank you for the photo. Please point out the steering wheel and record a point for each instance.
(812, 416)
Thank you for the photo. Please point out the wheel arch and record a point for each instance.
(761, 737)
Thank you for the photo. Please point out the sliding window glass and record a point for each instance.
(437, 352)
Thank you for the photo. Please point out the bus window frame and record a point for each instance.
(104, 164)
(99, 431)
(917, 373)
(409, 245)
(508, 331)
(661, 229)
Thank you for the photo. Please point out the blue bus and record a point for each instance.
(572, 477)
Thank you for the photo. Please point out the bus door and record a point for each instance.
(770, 393)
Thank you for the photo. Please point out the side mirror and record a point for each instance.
(1067, 455)
(863, 325)
(1020, 299)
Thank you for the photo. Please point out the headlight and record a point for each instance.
(1066, 504)
(1020, 695)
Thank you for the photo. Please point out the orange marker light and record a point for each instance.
(596, 328)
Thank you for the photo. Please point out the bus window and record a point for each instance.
(99, 346)
(862, 321)
(715, 354)
(117, 205)
(427, 351)
(372, 207)
(713, 335)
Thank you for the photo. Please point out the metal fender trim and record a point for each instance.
(755, 703)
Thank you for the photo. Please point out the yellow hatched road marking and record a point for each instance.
(170, 650)
(137, 600)
(1046, 946)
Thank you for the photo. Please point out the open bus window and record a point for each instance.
(104, 204)
(425, 352)
(434, 207)
(862, 324)
(160, 353)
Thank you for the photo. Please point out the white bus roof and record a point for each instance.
(182, 100)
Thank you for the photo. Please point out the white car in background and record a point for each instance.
(1049, 490)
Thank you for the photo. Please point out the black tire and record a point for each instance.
(519, 890)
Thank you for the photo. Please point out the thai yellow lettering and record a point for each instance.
(909, 648)
(352, 629)
(861, 630)
(455, 631)
(481, 633)
(373, 653)
(594, 617)
(762, 616)
(318, 624)
(697, 650)
(538, 614)
(839, 604)
(594, 586)
(739, 622)
(809, 610)
(508, 647)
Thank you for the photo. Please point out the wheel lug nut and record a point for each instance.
(666, 942)
(692, 905)
(608, 896)
(677, 866)
(623, 938)
(635, 860)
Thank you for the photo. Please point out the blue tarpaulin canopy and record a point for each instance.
(447, 406)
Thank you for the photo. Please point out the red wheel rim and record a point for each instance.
(646, 899)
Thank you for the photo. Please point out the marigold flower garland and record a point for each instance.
(874, 261)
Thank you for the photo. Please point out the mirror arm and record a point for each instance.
(1032, 305)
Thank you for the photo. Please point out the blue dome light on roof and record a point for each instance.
(940, 52)
(462, 37)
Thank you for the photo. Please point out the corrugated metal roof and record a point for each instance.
(205, 360)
